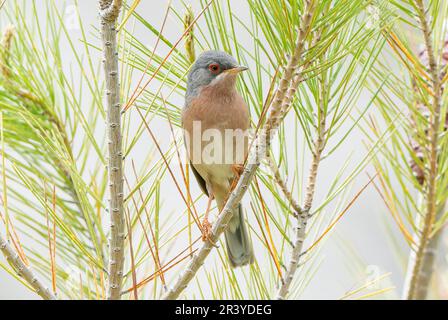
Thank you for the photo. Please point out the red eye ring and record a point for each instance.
(214, 68)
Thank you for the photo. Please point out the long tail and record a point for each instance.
(239, 245)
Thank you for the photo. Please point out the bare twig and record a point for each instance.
(261, 145)
(109, 11)
(303, 217)
(282, 184)
(420, 266)
(24, 271)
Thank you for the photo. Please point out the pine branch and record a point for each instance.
(418, 281)
(30, 99)
(109, 12)
(24, 271)
(261, 146)
(282, 184)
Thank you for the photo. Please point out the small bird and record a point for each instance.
(213, 109)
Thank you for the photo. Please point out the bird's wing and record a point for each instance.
(200, 180)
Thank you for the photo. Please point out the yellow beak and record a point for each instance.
(236, 70)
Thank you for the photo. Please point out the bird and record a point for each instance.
(215, 121)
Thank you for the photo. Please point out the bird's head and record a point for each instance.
(213, 68)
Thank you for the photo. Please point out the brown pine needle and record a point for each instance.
(152, 53)
(95, 281)
(148, 242)
(274, 252)
(198, 223)
(390, 204)
(135, 95)
(165, 268)
(180, 162)
(155, 252)
(408, 55)
(15, 240)
(266, 241)
(398, 47)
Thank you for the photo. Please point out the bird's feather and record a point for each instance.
(199, 179)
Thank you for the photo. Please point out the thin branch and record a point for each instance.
(282, 184)
(261, 145)
(302, 219)
(416, 286)
(24, 271)
(109, 11)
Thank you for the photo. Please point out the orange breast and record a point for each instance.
(218, 112)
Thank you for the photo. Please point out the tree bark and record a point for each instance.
(109, 12)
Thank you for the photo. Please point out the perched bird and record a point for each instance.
(215, 120)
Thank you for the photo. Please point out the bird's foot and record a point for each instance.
(206, 226)
(237, 170)
(206, 230)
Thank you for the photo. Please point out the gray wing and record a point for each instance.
(200, 180)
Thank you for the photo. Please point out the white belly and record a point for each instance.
(217, 176)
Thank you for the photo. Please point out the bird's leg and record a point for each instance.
(237, 170)
(206, 226)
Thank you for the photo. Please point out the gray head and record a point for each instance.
(211, 67)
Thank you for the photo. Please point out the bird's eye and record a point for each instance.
(214, 68)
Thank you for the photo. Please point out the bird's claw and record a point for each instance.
(206, 230)
(237, 170)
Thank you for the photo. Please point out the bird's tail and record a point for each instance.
(239, 245)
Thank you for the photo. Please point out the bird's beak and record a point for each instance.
(237, 70)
